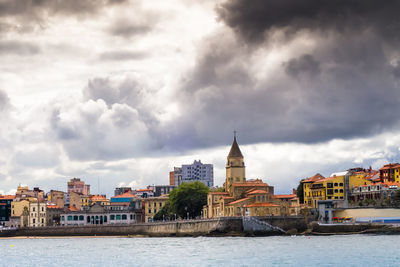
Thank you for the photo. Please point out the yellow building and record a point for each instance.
(152, 205)
(17, 207)
(85, 200)
(334, 187)
(241, 196)
(307, 183)
(102, 200)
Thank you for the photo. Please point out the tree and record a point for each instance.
(300, 192)
(188, 199)
(165, 213)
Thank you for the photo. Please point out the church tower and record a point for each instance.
(235, 169)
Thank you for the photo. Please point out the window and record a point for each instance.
(341, 184)
(69, 218)
(124, 217)
(42, 220)
(33, 208)
(329, 191)
(75, 217)
(160, 204)
(336, 191)
(341, 190)
(118, 217)
(62, 218)
(88, 219)
(105, 219)
(42, 208)
(341, 197)
(131, 217)
(112, 217)
(81, 217)
(336, 184)
(336, 198)
(33, 221)
(329, 185)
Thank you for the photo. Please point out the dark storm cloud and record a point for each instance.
(18, 48)
(122, 55)
(342, 87)
(252, 20)
(304, 64)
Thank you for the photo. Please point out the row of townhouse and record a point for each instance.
(352, 186)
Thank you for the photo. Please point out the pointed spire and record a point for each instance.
(235, 150)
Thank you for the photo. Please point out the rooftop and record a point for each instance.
(285, 196)
(262, 204)
(314, 178)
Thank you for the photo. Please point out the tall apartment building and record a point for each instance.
(78, 186)
(194, 172)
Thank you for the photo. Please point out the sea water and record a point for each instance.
(349, 250)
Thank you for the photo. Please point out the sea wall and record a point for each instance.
(208, 227)
(288, 222)
(176, 228)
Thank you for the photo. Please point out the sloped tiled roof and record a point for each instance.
(314, 178)
(261, 204)
(258, 192)
(125, 195)
(285, 196)
(239, 200)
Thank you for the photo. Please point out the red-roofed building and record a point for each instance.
(241, 196)
(390, 173)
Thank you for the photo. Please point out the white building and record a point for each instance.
(37, 214)
(194, 172)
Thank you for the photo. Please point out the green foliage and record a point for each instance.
(300, 192)
(360, 204)
(165, 213)
(188, 197)
(373, 202)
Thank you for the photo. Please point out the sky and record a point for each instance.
(118, 92)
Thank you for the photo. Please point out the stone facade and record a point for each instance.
(243, 197)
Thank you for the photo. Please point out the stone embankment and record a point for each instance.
(226, 226)
(347, 229)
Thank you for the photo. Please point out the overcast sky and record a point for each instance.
(118, 92)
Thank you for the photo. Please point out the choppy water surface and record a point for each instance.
(354, 250)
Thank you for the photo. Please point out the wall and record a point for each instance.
(367, 212)
(222, 226)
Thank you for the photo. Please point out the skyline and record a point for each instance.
(122, 91)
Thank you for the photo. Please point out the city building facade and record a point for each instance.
(78, 186)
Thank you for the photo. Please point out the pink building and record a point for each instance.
(78, 186)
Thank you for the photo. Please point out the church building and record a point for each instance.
(243, 197)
